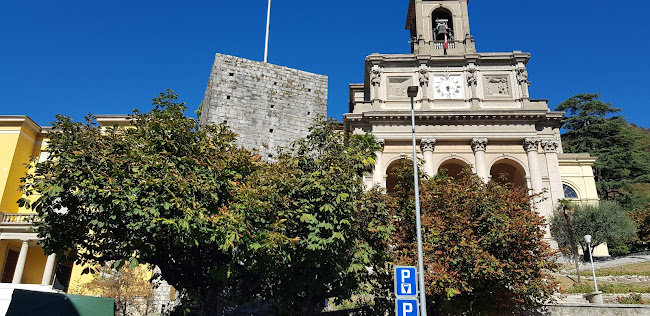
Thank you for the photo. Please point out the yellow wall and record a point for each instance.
(19, 140)
(35, 264)
(8, 146)
(577, 172)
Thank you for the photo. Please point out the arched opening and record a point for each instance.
(453, 167)
(442, 20)
(508, 171)
(391, 178)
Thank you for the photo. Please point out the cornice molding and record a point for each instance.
(445, 116)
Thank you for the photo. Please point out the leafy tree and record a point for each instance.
(331, 233)
(483, 245)
(158, 193)
(622, 158)
(130, 288)
(606, 222)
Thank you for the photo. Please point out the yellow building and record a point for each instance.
(22, 260)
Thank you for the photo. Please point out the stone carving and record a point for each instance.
(397, 86)
(375, 77)
(428, 144)
(380, 142)
(424, 77)
(550, 145)
(472, 77)
(530, 144)
(497, 86)
(522, 75)
(479, 144)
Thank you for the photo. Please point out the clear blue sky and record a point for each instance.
(109, 57)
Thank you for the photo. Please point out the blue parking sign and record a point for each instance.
(406, 307)
(405, 281)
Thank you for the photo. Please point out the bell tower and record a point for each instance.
(439, 27)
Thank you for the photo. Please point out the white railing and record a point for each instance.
(14, 218)
(441, 45)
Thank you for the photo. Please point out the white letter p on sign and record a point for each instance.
(408, 308)
(406, 273)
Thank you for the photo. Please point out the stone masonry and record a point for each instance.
(268, 106)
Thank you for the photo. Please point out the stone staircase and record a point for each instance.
(572, 299)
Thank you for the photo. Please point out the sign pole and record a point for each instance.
(268, 24)
(412, 93)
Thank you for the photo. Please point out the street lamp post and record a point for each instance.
(597, 298)
(412, 92)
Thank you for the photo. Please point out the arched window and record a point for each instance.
(569, 192)
(442, 21)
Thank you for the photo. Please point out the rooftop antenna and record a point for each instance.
(268, 23)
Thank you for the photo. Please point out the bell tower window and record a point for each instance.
(443, 24)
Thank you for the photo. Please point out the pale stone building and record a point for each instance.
(472, 109)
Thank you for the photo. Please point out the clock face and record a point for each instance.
(448, 87)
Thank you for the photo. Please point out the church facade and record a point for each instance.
(472, 109)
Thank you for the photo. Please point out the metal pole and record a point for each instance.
(423, 299)
(593, 270)
(268, 23)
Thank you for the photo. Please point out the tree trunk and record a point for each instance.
(574, 245)
(209, 302)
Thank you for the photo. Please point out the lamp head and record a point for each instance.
(412, 91)
(588, 239)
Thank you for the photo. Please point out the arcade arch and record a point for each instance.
(391, 179)
(453, 167)
(505, 171)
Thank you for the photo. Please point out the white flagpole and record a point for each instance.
(268, 23)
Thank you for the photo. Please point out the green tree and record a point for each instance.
(483, 245)
(158, 193)
(131, 289)
(336, 232)
(622, 158)
(606, 222)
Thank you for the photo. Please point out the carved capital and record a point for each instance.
(522, 75)
(381, 143)
(479, 144)
(530, 144)
(428, 144)
(550, 145)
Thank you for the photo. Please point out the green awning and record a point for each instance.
(29, 303)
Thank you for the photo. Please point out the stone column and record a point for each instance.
(530, 145)
(378, 173)
(427, 146)
(20, 265)
(478, 146)
(550, 147)
(49, 270)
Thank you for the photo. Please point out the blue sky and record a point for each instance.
(109, 57)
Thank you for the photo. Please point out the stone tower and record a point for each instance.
(472, 109)
(268, 106)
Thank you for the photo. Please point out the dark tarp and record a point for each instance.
(32, 303)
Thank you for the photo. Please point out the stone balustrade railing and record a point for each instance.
(16, 218)
(441, 45)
